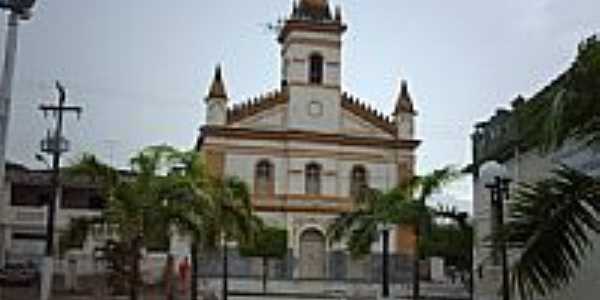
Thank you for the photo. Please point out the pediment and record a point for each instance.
(354, 125)
(272, 118)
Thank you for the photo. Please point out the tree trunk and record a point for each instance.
(194, 277)
(132, 276)
(135, 270)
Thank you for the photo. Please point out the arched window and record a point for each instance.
(316, 69)
(358, 181)
(264, 179)
(313, 179)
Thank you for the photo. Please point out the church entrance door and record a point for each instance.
(312, 254)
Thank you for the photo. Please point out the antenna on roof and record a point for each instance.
(274, 27)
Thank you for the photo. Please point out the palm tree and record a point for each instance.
(232, 218)
(561, 211)
(403, 205)
(217, 210)
(135, 206)
(189, 199)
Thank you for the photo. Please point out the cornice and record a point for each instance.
(307, 136)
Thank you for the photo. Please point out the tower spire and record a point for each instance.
(217, 88)
(404, 102)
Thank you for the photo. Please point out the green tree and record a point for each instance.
(142, 205)
(451, 240)
(403, 205)
(214, 210)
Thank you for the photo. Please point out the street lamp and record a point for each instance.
(18, 9)
(21, 7)
(385, 249)
(495, 177)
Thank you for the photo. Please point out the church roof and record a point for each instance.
(254, 106)
(217, 88)
(369, 114)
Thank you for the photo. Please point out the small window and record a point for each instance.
(264, 184)
(358, 181)
(316, 69)
(81, 198)
(313, 179)
(30, 195)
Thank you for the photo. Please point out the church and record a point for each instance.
(307, 148)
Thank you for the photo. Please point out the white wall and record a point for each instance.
(301, 98)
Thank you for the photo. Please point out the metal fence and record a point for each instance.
(340, 266)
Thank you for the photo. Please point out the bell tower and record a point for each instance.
(311, 42)
(216, 101)
(404, 114)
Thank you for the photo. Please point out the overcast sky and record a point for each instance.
(140, 68)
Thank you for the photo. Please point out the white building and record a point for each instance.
(306, 148)
(24, 217)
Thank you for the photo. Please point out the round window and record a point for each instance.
(315, 109)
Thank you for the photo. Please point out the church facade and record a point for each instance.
(307, 148)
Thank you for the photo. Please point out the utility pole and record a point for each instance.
(55, 145)
(18, 10)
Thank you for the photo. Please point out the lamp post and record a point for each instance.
(385, 249)
(18, 10)
(498, 184)
(225, 283)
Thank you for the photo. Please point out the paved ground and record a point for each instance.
(32, 293)
(19, 293)
(93, 289)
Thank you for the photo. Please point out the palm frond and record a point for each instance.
(344, 224)
(403, 205)
(433, 182)
(363, 236)
(558, 213)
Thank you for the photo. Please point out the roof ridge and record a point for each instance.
(255, 105)
(369, 113)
